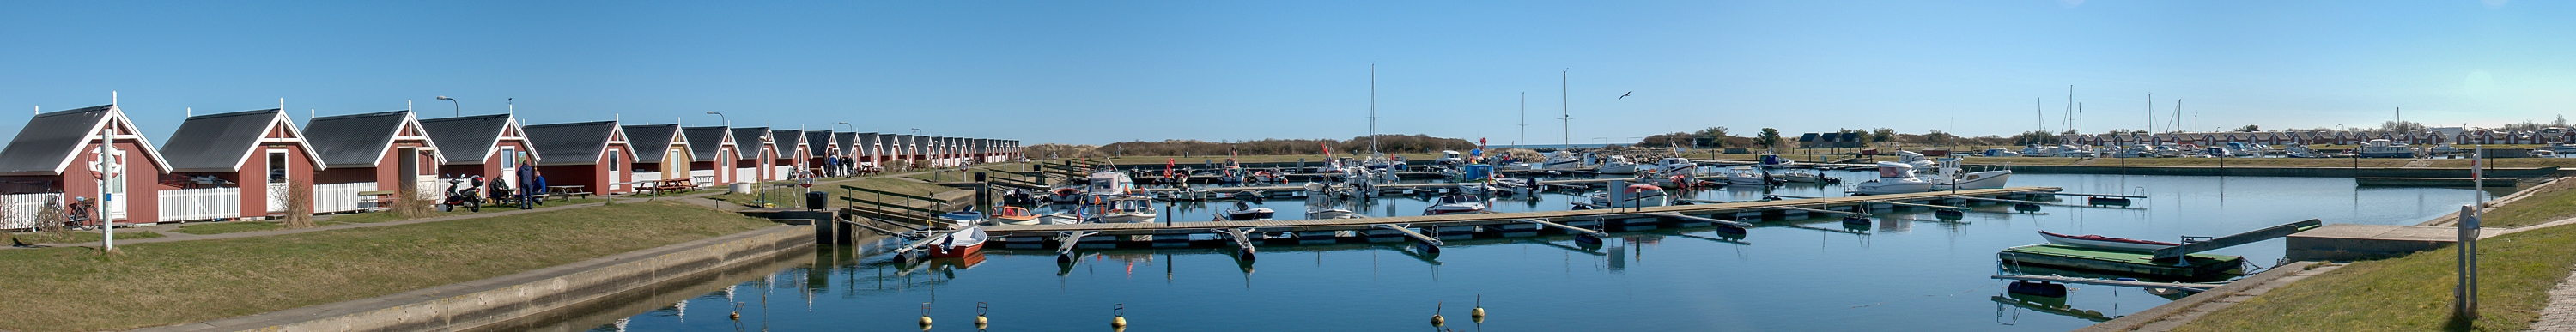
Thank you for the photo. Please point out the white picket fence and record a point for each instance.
(22, 209)
(746, 174)
(342, 197)
(200, 204)
(702, 177)
(782, 172)
(642, 176)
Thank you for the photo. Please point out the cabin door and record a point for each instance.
(114, 167)
(616, 172)
(510, 168)
(277, 179)
(675, 163)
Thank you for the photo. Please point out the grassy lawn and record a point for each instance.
(242, 226)
(2546, 204)
(149, 284)
(2413, 293)
(72, 237)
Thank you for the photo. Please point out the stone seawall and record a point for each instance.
(475, 304)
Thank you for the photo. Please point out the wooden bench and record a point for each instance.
(563, 193)
(384, 199)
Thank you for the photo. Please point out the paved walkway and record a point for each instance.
(2560, 315)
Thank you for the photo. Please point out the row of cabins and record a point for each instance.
(241, 165)
(2325, 137)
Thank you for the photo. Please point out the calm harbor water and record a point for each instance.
(1909, 275)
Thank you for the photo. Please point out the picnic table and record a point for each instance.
(382, 198)
(562, 193)
(666, 186)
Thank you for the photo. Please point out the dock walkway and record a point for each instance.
(1720, 211)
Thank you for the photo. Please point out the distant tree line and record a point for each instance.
(1353, 147)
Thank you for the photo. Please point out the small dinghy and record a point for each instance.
(2098, 241)
(1013, 215)
(959, 244)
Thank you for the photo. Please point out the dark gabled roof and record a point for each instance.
(740, 134)
(650, 141)
(47, 144)
(704, 142)
(356, 139)
(578, 143)
(467, 139)
(849, 143)
(820, 143)
(788, 139)
(220, 142)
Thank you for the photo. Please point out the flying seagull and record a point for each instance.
(1625, 95)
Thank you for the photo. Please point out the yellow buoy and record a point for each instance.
(1118, 316)
(1436, 321)
(979, 315)
(925, 315)
(1479, 313)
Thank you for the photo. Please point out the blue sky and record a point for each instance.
(1099, 72)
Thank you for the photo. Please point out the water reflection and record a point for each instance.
(1907, 268)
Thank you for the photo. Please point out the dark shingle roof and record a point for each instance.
(578, 143)
(650, 141)
(820, 143)
(46, 144)
(787, 141)
(218, 142)
(357, 139)
(704, 142)
(849, 143)
(747, 141)
(466, 139)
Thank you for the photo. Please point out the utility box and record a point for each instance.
(816, 200)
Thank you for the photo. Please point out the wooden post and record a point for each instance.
(2465, 305)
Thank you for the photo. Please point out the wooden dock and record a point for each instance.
(1731, 217)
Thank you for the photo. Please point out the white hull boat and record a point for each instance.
(1456, 204)
(1978, 180)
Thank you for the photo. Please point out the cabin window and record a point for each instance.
(612, 160)
(509, 158)
(276, 167)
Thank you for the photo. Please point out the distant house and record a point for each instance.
(792, 146)
(849, 148)
(822, 153)
(753, 154)
(491, 146)
(56, 160)
(661, 151)
(386, 152)
(711, 151)
(237, 165)
(886, 150)
(594, 155)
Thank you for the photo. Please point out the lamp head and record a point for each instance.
(445, 98)
(713, 112)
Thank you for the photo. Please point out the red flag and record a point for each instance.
(1328, 150)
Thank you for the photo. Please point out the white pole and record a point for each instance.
(106, 226)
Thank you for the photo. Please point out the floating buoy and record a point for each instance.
(979, 315)
(1118, 316)
(2025, 207)
(1436, 321)
(925, 315)
(1587, 239)
(1479, 313)
(1949, 214)
(1855, 220)
(737, 312)
(2037, 288)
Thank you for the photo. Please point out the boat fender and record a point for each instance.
(979, 315)
(1118, 316)
(925, 316)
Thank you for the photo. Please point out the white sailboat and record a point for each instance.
(1617, 165)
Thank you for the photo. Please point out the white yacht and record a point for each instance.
(1635, 195)
(1893, 178)
(1617, 165)
(1954, 179)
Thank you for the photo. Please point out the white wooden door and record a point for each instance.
(115, 197)
(616, 172)
(277, 179)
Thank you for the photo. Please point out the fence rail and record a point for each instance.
(200, 204)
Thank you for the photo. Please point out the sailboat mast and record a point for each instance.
(1372, 109)
(1524, 120)
(1564, 85)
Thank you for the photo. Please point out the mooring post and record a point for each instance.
(2465, 306)
(983, 194)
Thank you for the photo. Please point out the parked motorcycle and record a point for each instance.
(461, 192)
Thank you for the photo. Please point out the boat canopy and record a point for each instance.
(1889, 169)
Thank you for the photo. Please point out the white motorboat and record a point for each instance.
(1675, 165)
(1746, 176)
(2000, 153)
(1635, 195)
(1562, 160)
(1893, 178)
(1456, 204)
(1123, 209)
(1953, 179)
(1449, 157)
(1776, 161)
(1617, 165)
(2382, 148)
(1331, 213)
(2105, 242)
(1109, 183)
(1245, 211)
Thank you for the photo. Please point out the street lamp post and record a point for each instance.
(457, 108)
(721, 117)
